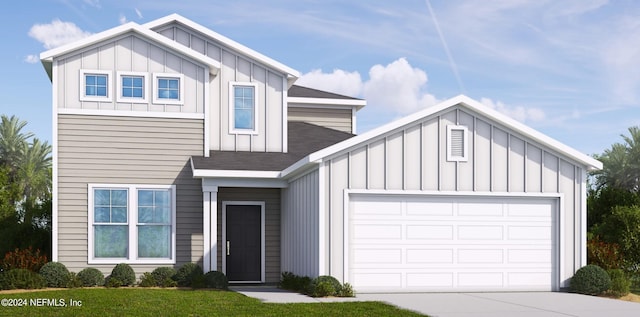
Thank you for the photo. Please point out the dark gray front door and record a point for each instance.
(244, 250)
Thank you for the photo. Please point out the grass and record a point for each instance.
(176, 302)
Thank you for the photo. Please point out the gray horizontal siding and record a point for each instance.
(126, 150)
(337, 119)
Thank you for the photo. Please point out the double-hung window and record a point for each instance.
(132, 87)
(95, 85)
(169, 88)
(242, 107)
(131, 224)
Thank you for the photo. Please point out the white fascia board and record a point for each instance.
(140, 114)
(291, 73)
(465, 102)
(200, 173)
(319, 102)
(214, 66)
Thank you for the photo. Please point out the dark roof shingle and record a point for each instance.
(304, 139)
(305, 92)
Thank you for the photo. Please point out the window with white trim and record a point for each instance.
(132, 87)
(132, 224)
(457, 143)
(169, 88)
(242, 107)
(95, 85)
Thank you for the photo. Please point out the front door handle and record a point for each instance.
(228, 247)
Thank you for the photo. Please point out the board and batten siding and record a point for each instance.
(300, 227)
(235, 67)
(333, 118)
(126, 150)
(271, 198)
(129, 54)
(414, 158)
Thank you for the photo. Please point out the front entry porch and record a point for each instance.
(242, 233)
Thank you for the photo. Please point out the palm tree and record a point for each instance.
(12, 141)
(621, 164)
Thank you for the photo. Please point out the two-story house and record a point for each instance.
(175, 144)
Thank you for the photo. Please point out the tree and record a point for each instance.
(25, 188)
(621, 164)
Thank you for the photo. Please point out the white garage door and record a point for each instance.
(449, 243)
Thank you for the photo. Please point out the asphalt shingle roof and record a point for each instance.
(304, 138)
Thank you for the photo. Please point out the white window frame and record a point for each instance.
(145, 87)
(232, 121)
(83, 86)
(465, 143)
(132, 223)
(179, 77)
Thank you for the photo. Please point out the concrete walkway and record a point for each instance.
(526, 304)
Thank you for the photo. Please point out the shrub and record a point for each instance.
(21, 279)
(55, 274)
(187, 273)
(74, 280)
(620, 284)
(292, 282)
(24, 259)
(346, 291)
(91, 277)
(325, 285)
(217, 280)
(113, 282)
(604, 254)
(147, 280)
(124, 273)
(162, 276)
(590, 280)
(622, 227)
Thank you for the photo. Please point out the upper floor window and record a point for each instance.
(94, 85)
(169, 88)
(242, 109)
(457, 143)
(132, 87)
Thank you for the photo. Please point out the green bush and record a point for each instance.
(590, 280)
(21, 279)
(324, 285)
(55, 274)
(217, 280)
(620, 283)
(124, 273)
(147, 280)
(74, 280)
(91, 277)
(346, 291)
(622, 227)
(162, 276)
(113, 282)
(188, 273)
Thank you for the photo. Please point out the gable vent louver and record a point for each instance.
(457, 143)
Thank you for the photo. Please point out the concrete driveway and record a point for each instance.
(534, 304)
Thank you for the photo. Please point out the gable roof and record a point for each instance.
(47, 57)
(464, 102)
(292, 74)
(304, 138)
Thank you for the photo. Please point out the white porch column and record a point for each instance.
(210, 227)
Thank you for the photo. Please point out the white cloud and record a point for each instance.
(519, 113)
(122, 19)
(57, 33)
(32, 59)
(138, 13)
(93, 3)
(396, 88)
(339, 81)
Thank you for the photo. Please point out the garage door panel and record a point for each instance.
(478, 243)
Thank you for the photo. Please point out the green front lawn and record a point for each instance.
(173, 302)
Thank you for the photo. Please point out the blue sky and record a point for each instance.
(570, 69)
